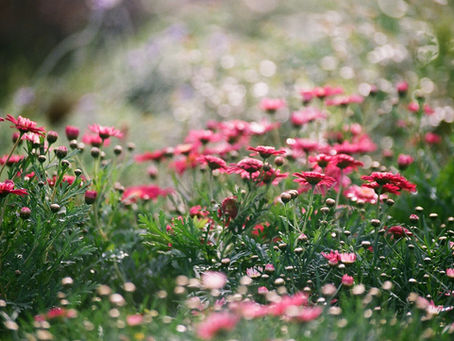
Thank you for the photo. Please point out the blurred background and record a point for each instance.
(158, 67)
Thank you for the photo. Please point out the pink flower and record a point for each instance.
(144, 192)
(344, 101)
(247, 165)
(134, 320)
(347, 258)
(347, 280)
(307, 314)
(313, 179)
(215, 322)
(262, 290)
(72, 133)
(105, 132)
(332, 257)
(265, 151)
(25, 125)
(344, 161)
(404, 160)
(388, 182)
(7, 187)
(361, 194)
(306, 115)
(213, 280)
(450, 272)
(286, 302)
(213, 162)
(402, 88)
(398, 232)
(271, 105)
(432, 138)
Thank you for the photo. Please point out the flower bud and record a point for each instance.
(95, 152)
(118, 150)
(330, 202)
(42, 158)
(61, 152)
(77, 172)
(55, 208)
(131, 146)
(286, 197)
(73, 144)
(279, 161)
(52, 136)
(25, 212)
(90, 197)
(72, 133)
(375, 222)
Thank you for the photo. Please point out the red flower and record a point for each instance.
(95, 140)
(229, 207)
(265, 151)
(313, 179)
(301, 144)
(306, 115)
(332, 257)
(398, 232)
(25, 125)
(12, 160)
(344, 161)
(307, 314)
(248, 165)
(201, 136)
(213, 162)
(90, 197)
(157, 155)
(321, 160)
(271, 105)
(72, 133)
(7, 187)
(144, 192)
(388, 182)
(105, 132)
(320, 92)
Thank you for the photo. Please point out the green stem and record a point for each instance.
(309, 208)
(11, 153)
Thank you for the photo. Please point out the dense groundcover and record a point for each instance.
(270, 174)
(271, 229)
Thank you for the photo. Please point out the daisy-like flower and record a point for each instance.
(347, 280)
(105, 132)
(24, 125)
(12, 159)
(320, 160)
(213, 162)
(432, 138)
(361, 194)
(271, 105)
(346, 162)
(332, 257)
(344, 101)
(248, 165)
(388, 182)
(145, 192)
(347, 257)
(313, 179)
(7, 187)
(265, 151)
(306, 115)
(229, 207)
(72, 132)
(156, 155)
(398, 232)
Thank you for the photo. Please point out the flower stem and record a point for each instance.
(309, 208)
(11, 153)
